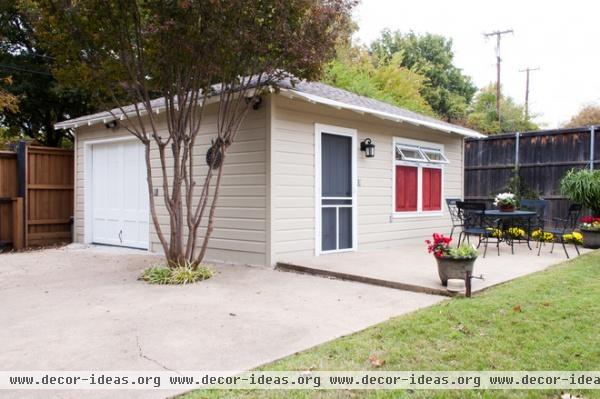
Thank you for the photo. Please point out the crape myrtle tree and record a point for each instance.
(189, 53)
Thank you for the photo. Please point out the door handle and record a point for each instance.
(121, 236)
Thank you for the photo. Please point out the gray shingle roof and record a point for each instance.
(320, 90)
(344, 96)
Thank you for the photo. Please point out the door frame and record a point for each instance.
(340, 131)
(88, 190)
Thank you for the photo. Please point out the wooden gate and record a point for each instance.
(11, 205)
(48, 195)
(36, 196)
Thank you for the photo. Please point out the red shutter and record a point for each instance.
(432, 189)
(406, 189)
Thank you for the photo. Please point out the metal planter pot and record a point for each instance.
(591, 239)
(449, 268)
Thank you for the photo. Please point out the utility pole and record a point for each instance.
(498, 35)
(527, 70)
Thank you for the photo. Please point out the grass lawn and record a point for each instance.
(547, 321)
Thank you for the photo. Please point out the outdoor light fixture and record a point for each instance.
(255, 101)
(111, 125)
(368, 147)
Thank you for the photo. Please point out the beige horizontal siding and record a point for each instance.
(293, 177)
(240, 226)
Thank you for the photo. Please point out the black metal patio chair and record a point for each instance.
(454, 216)
(537, 223)
(474, 223)
(559, 227)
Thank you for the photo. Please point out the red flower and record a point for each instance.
(439, 246)
(587, 219)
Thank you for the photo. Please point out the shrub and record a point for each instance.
(183, 274)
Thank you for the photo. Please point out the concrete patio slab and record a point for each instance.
(411, 268)
(84, 309)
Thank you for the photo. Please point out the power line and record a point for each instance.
(24, 70)
(527, 70)
(498, 35)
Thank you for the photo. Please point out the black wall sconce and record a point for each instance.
(255, 101)
(368, 147)
(112, 124)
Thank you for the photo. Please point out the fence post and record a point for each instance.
(18, 224)
(22, 167)
(592, 145)
(517, 145)
(22, 192)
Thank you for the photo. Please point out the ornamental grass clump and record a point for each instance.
(583, 187)
(181, 274)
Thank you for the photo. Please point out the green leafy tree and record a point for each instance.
(447, 90)
(355, 70)
(189, 52)
(483, 115)
(588, 115)
(36, 100)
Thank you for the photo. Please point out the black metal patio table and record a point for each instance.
(505, 222)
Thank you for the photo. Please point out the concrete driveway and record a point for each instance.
(84, 309)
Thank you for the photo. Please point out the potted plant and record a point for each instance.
(583, 187)
(590, 228)
(451, 262)
(506, 202)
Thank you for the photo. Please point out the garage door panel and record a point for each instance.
(119, 195)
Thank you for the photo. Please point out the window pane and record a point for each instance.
(435, 156)
(336, 165)
(406, 153)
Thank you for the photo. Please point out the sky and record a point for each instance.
(560, 37)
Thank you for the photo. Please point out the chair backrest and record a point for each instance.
(537, 206)
(471, 206)
(573, 215)
(451, 204)
(471, 213)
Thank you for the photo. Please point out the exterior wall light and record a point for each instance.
(111, 125)
(368, 147)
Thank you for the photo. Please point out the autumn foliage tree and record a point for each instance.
(588, 115)
(190, 53)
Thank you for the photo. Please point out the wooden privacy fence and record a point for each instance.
(542, 159)
(36, 196)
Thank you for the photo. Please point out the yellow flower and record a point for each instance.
(516, 232)
(575, 238)
(545, 237)
(496, 233)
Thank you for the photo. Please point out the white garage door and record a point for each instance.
(119, 195)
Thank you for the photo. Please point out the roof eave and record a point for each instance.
(290, 93)
(314, 99)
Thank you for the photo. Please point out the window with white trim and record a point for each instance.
(418, 177)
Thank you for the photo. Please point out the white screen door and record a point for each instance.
(337, 199)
